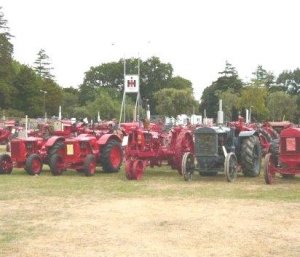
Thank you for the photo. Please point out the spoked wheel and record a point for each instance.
(187, 166)
(269, 173)
(128, 169)
(137, 169)
(89, 166)
(33, 164)
(184, 143)
(56, 164)
(6, 164)
(230, 167)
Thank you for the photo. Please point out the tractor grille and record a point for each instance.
(290, 145)
(206, 144)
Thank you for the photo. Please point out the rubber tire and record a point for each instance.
(230, 167)
(55, 148)
(269, 178)
(250, 167)
(274, 150)
(28, 164)
(265, 134)
(105, 159)
(87, 168)
(54, 160)
(188, 166)
(6, 164)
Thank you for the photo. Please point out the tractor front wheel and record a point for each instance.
(187, 166)
(184, 143)
(230, 167)
(6, 164)
(137, 169)
(269, 173)
(33, 164)
(251, 156)
(89, 166)
(56, 164)
(128, 169)
(111, 156)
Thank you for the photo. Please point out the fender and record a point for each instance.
(51, 141)
(249, 133)
(105, 138)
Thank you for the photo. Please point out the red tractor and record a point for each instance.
(265, 132)
(284, 155)
(150, 148)
(30, 153)
(85, 152)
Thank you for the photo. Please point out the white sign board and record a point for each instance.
(132, 84)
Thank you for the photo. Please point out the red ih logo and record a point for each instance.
(131, 82)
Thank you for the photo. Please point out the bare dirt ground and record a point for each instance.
(150, 227)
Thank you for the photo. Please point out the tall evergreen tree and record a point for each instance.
(229, 79)
(42, 65)
(6, 68)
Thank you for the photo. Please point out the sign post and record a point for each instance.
(131, 85)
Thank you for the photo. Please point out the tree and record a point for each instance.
(254, 97)
(262, 78)
(172, 102)
(27, 85)
(42, 65)
(180, 83)
(229, 103)
(154, 75)
(282, 106)
(108, 106)
(290, 81)
(6, 69)
(228, 80)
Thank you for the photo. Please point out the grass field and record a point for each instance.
(161, 215)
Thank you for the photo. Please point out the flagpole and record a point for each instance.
(124, 94)
(138, 96)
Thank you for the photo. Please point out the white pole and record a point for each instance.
(138, 96)
(124, 95)
(26, 126)
(59, 113)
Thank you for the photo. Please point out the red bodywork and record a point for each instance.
(75, 151)
(288, 161)
(146, 147)
(289, 157)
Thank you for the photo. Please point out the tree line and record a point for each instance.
(24, 89)
(268, 97)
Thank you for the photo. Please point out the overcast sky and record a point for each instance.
(195, 36)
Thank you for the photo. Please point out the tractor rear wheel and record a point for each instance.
(111, 156)
(56, 164)
(274, 150)
(187, 166)
(89, 166)
(33, 164)
(230, 167)
(251, 156)
(55, 148)
(269, 174)
(6, 164)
